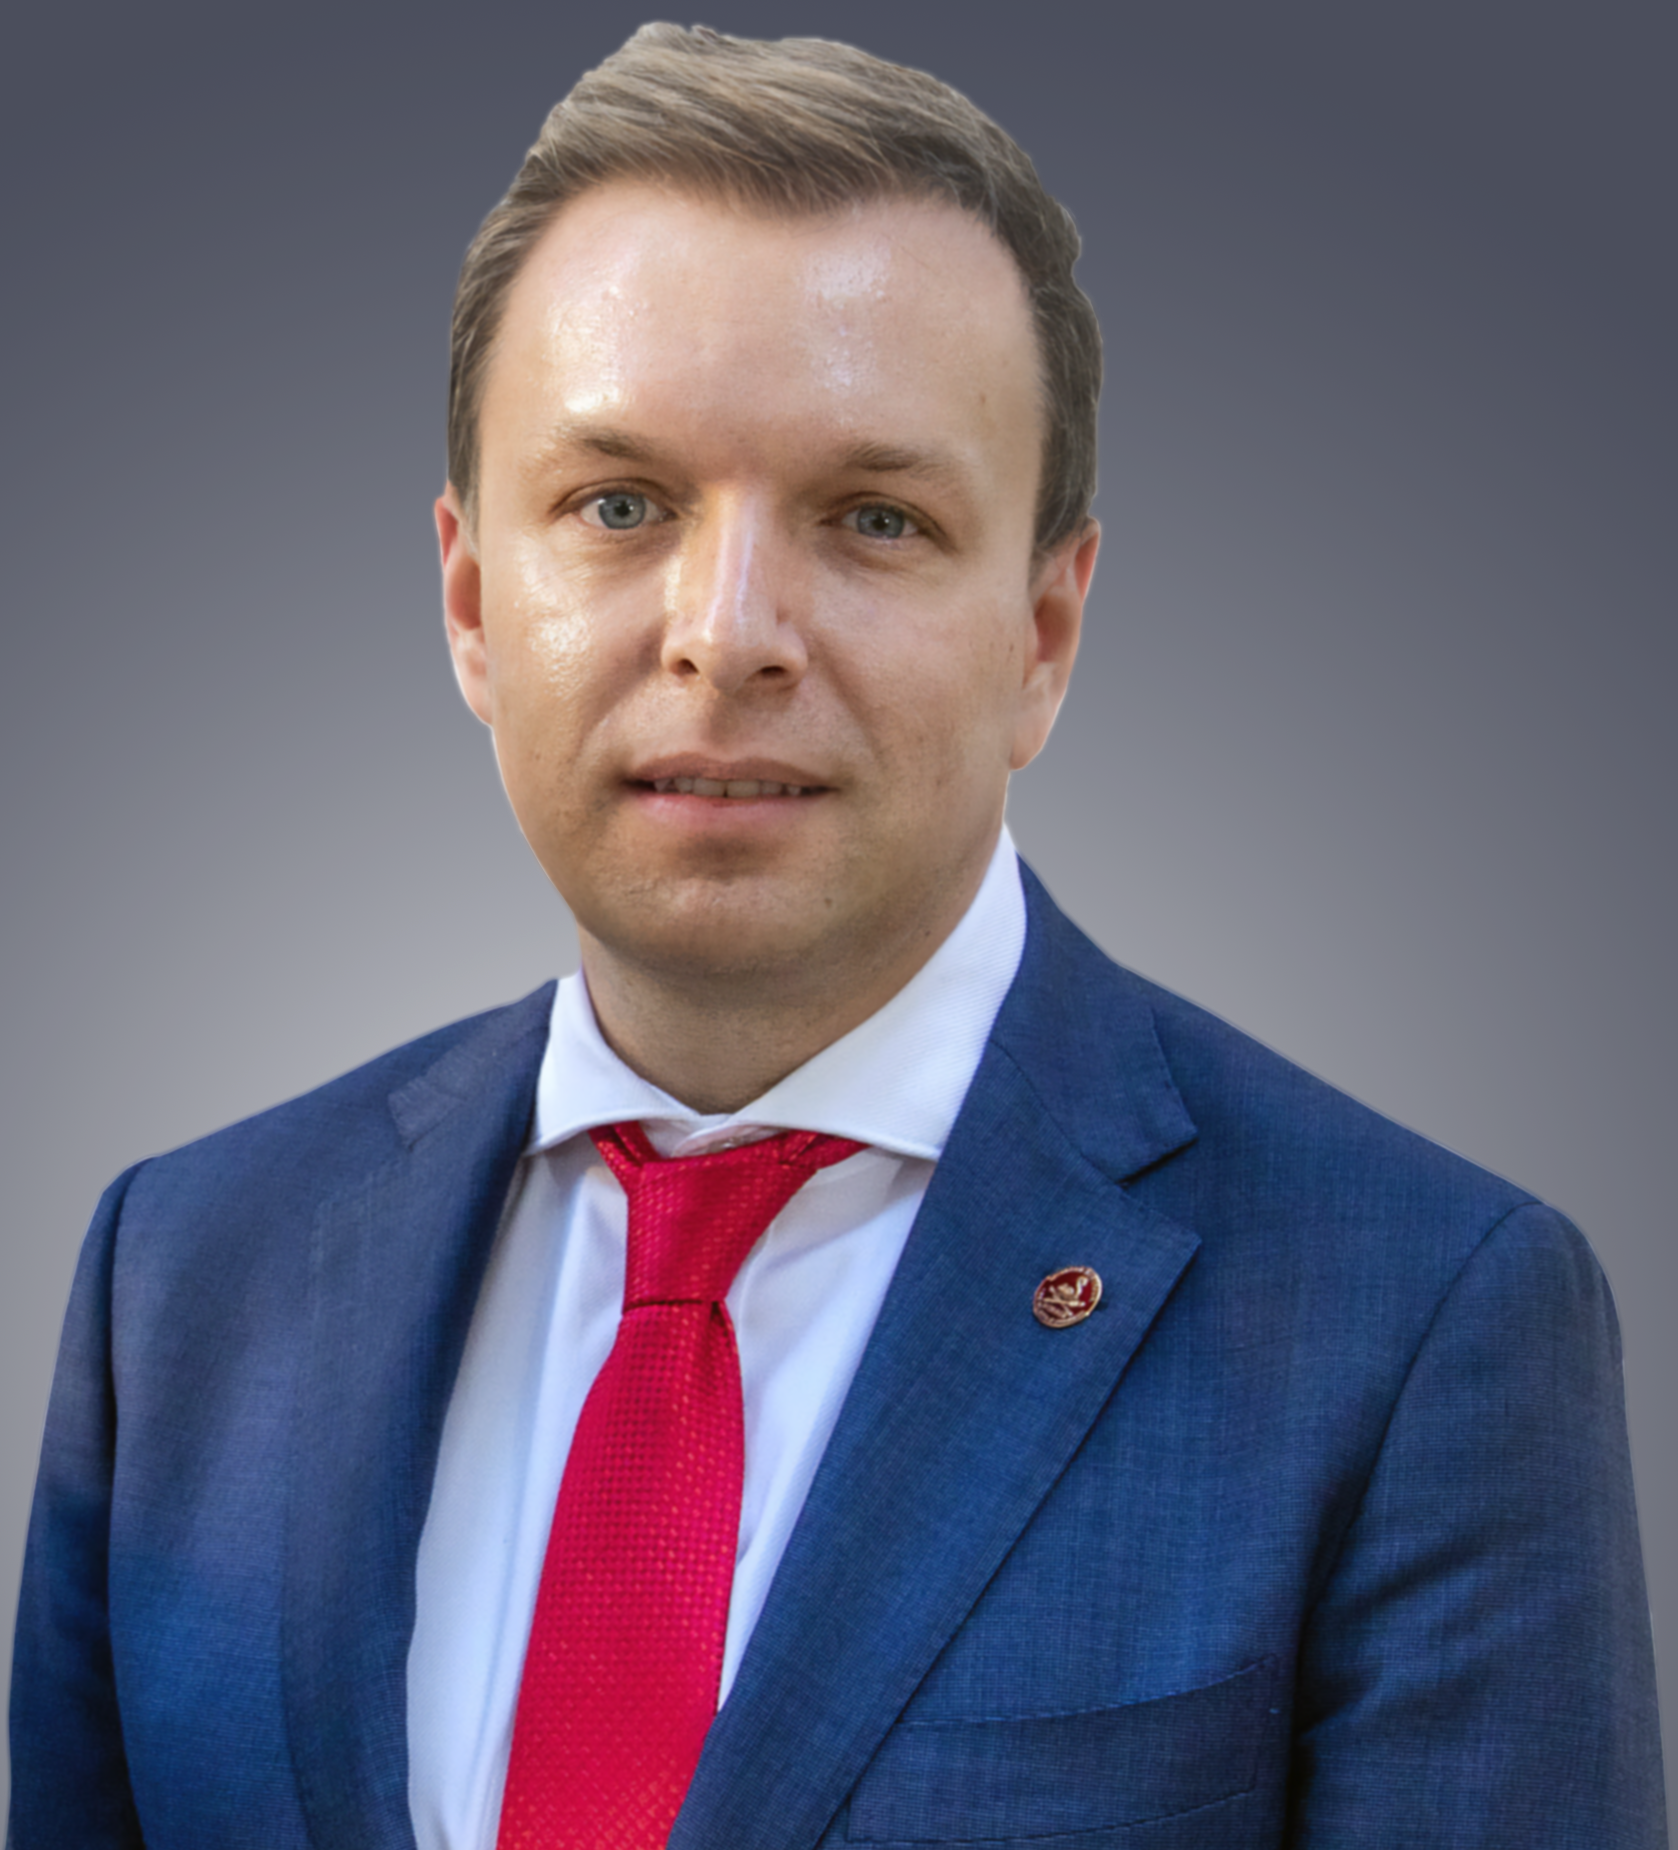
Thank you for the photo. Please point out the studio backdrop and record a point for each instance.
(1372, 745)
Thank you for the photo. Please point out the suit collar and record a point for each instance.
(921, 1494)
(1080, 1029)
(395, 1266)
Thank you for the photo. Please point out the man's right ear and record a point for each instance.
(463, 614)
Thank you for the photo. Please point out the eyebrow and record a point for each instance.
(869, 457)
(933, 465)
(603, 439)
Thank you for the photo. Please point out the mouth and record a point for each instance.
(748, 780)
(738, 788)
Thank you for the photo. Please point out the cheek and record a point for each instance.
(981, 667)
(949, 715)
(552, 662)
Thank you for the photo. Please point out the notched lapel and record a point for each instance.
(396, 1263)
(965, 1410)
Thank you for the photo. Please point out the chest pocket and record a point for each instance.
(1040, 1775)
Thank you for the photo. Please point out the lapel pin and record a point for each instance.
(1066, 1297)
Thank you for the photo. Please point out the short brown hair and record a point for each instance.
(797, 126)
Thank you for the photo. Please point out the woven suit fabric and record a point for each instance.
(625, 1654)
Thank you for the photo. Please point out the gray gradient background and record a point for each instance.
(1371, 748)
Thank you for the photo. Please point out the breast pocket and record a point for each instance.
(1041, 1775)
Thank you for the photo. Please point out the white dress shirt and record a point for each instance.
(803, 1306)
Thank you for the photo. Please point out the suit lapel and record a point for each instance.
(964, 1410)
(395, 1268)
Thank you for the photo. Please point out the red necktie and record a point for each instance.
(625, 1654)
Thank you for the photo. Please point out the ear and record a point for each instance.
(463, 615)
(1057, 617)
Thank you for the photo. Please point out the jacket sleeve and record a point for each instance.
(69, 1772)
(1479, 1670)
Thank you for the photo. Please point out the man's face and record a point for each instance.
(751, 602)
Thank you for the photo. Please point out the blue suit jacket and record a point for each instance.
(1318, 1533)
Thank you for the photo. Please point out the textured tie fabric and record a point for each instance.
(625, 1655)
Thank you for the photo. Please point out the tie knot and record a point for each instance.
(693, 1219)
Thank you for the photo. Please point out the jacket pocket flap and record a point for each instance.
(1037, 1775)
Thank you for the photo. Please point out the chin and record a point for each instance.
(734, 934)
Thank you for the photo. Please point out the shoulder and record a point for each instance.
(1279, 1173)
(1291, 1137)
(314, 1143)
(1332, 1230)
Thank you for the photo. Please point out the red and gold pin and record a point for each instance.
(1066, 1297)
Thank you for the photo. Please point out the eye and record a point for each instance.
(879, 520)
(620, 510)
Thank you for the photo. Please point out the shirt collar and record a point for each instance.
(896, 1081)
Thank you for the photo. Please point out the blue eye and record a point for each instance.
(880, 521)
(619, 511)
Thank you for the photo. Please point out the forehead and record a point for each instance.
(897, 320)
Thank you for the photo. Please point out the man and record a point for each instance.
(1103, 1433)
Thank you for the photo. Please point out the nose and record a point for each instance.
(730, 618)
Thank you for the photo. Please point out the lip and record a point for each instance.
(725, 771)
(712, 814)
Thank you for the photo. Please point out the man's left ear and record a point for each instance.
(1059, 588)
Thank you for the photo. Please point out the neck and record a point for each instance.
(716, 1040)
